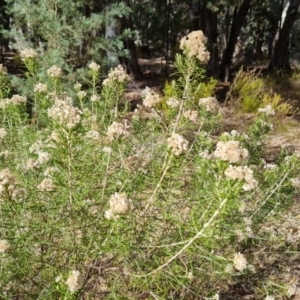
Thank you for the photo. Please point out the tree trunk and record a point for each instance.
(209, 26)
(111, 31)
(132, 64)
(238, 21)
(280, 57)
(194, 15)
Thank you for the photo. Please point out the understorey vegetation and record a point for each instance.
(100, 202)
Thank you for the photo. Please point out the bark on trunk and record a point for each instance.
(132, 64)
(195, 8)
(280, 57)
(209, 26)
(238, 21)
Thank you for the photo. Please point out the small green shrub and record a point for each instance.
(99, 201)
(248, 93)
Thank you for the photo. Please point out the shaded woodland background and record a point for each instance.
(73, 32)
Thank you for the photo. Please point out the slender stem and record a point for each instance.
(166, 167)
(198, 235)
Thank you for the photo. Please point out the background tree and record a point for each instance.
(280, 57)
(66, 30)
(77, 31)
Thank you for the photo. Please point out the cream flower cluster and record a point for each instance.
(54, 72)
(74, 281)
(38, 145)
(81, 94)
(195, 43)
(211, 104)
(4, 245)
(3, 133)
(95, 98)
(231, 151)
(65, 113)
(3, 70)
(17, 99)
(28, 53)
(7, 179)
(40, 88)
(46, 185)
(239, 262)
(116, 129)
(77, 86)
(177, 143)
(191, 115)
(43, 157)
(145, 113)
(8, 182)
(50, 171)
(296, 182)
(94, 66)
(150, 98)
(119, 204)
(268, 110)
(93, 134)
(117, 74)
(242, 172)
(173, 102)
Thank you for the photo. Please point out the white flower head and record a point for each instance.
(231, 151)
(173, 102)
(49, 171)
(74, 281)
(117, 74)
(239, 262)
(43, 157)
(145, 113)
(177, 143)
(93, 134)
(36, 146)
(269, 297)
(28, 53)
(268, 110)
(46, 185)
(116, 130)
(195, 43)
(7, 178)
(191, 115)
(54, 72)
(65, 113)
(3, 69)
(211, 104)
(94, 67)
(81, 94)
(17, 99)
(3, 133)
(150, 98)
(77, 86)
(4, 245)
(107, 149)
(119, 204)
(296, 182)
(40, 88)
(242, 173)
(94, 98)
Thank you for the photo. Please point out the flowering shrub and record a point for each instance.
(96, 200)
